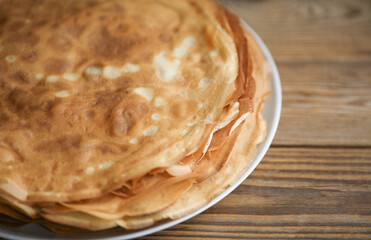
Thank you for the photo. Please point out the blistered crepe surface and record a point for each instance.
(93, 93)
(251, 133)
(140, 199)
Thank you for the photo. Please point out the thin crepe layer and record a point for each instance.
(216, 158)
(114, 207)
(252, 132)
(107, 86)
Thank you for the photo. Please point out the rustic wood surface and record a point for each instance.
(315, 181)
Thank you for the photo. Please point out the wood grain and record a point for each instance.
(323, 53)
(310, 29)
(325, 103)
(295, 193)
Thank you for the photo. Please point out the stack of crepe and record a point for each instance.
(123, 113)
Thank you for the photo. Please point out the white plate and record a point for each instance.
(271, 112)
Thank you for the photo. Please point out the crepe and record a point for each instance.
(123, 113)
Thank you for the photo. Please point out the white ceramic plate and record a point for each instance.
(271, 112)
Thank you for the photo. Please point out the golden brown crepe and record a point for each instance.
(123, 113)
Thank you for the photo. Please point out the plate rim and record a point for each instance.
(276, 96)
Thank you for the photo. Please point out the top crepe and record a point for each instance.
(95, 93)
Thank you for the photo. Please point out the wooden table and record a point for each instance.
(315, 181)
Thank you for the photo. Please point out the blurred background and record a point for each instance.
(323, 52)
(315, 181)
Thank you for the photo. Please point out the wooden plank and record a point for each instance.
(325, 103)
(295, 193)
(323, 52)
(230, 226)
(310, 29)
